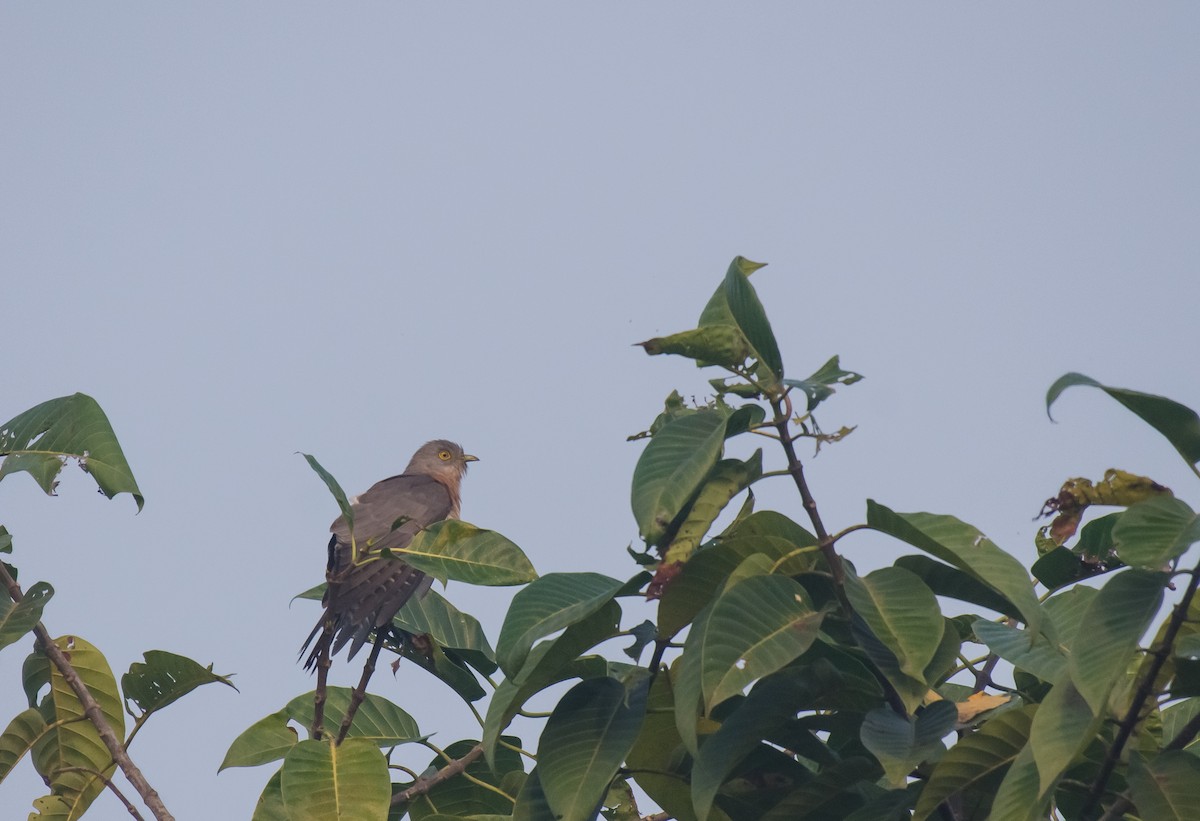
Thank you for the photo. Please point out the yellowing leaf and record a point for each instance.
(978, 703)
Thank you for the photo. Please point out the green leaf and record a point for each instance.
(531, 804)
(462, 797)
(335, 489)
(38, 440)
(18, 618)
(447, 667)
(728, 478)
(164, 678)
(747, 312)
(1151, 533)
(902, 612)
(831, 795)
(1178, 423)
(902, 743)
(1041, 657)
(585, 741)
(1017, 798)
(434, 616)
(454, 549)
(723, 345)
(1114, 622)
(549, 604)
(321, 781)
(1164, 788)
(19, 737)
(977, 759)
(672, 468)
(755, 627)
(270, 805)
(75, 741)
(1062, 727)
(958, 543)
(378, 720)
(771, 703)
(820, 386)
(549, 663)
(953, 583)
(267, 739)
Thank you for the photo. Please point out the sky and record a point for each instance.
(256, 230)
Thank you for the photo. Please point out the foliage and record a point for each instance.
(782, 682)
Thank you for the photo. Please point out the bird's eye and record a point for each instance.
(444, 455)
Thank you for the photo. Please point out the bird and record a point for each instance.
(364, 590)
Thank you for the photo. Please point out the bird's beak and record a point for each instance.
(469, 458)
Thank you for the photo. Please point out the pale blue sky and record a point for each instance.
(251, 230)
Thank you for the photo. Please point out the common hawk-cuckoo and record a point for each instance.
(364, 592)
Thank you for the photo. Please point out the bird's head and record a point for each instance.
(442, 459)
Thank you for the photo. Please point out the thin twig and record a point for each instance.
(1133, 716)
(91, 709)
(360, 692)
(425, 784)
(108, 783)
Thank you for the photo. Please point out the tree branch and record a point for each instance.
(91, 709)
(1133, 716)
(425, 784)
(108, 783)
(360, 692)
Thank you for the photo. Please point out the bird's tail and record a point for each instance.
(323, 634)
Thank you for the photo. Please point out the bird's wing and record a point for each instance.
(366, 591)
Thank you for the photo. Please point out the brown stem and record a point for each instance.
(425, 784)
(360, 692)
(91, 709)
(108, 783)
(321, 693)
(1133, 716)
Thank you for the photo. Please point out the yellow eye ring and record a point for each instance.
(444, 455)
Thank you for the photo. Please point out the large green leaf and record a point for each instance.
(977, 759)
(74, 427)
(335, 490)
(19, 737)
(585, 741)
(164, 678)
(1178, 423)
(953, 583)
(378, 720)
(820, 386)
(18, 618)
(656, 760)
(707, 572)
(270, 806)
(549, 604)
(74, 742)
(1153, 532)
(549, 663)
(1164, 788)
(673, 467)
(268, 739)
(902, 612)
(454, 549)
(1062, 727)
(434, 616)
(901, 743)
(771, 703)
(321, 781)
(447, 666)
(531, 804)
(1108, 639)
(728, 478)
(748, 313)
(755, 627)
(1018, 797)
(958, 543)
(1040, 657)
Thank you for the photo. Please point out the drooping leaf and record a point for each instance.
(1118, 488)
(902, 612)
(547, 605)
(1178, 423)
(321, 781)
(902, 743)
(446, 666)
(38, 440)
(723, 345)
(1114, 622)
(728, 478)
(164, 678)
(820, 386)
(19, 737)
(268, 739)
(953, 583)
(434, 616)
(958, 543)
(755, 627)
(976, 759)
(18, 618)
(75, 741)
(672, 468)
(1164, 788)
(454, 549)
(585, 741)
(335, 490)
(1153, 532)
(377, 721)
